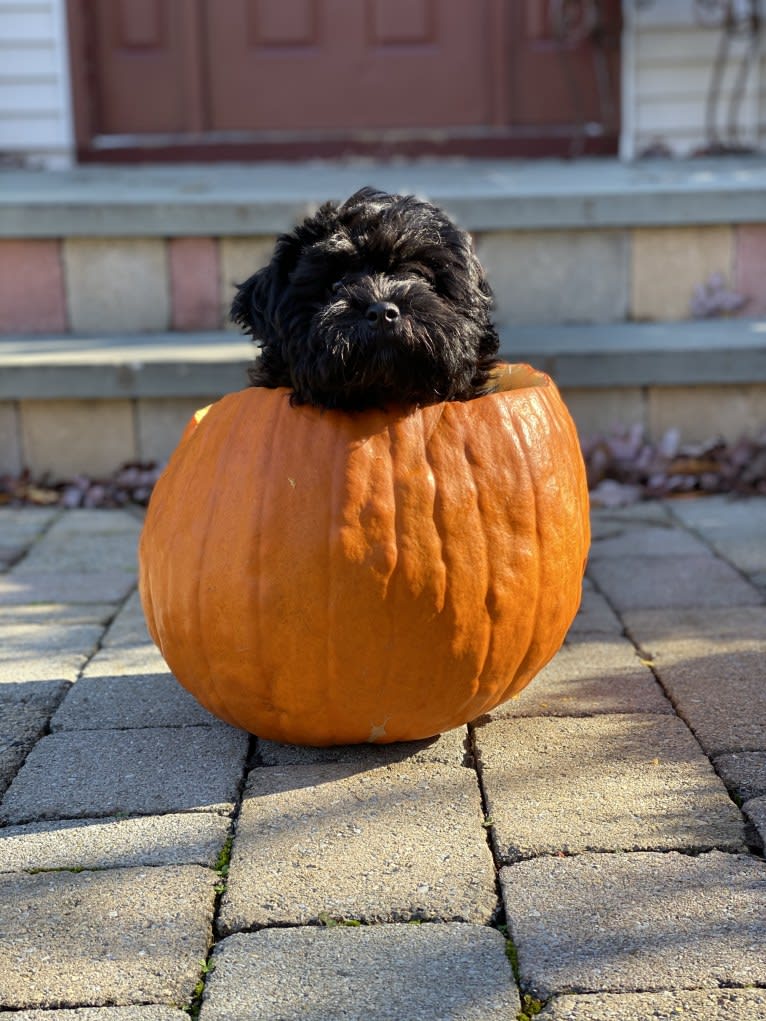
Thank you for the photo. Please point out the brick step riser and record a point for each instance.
(146, 284)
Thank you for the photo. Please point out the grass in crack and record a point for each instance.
(328, 922)
(222, 863)
(193, 1009)
(530, 1005)
(221, 867)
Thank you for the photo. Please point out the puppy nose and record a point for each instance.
(382, 313)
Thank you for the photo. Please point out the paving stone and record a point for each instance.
(18, 640)
(689, 1004)
(25, 710)
(386, 844)
(9, 555)
(744, 773)
(83, 541)
(637, 922)
(83, 587)
(606, 521)
(45, 652)
(129, 625)
(20, 527)
(127, 660)
(80, 554)
(606, 783)
(711, 663)
(120, 703)
(734, 527)
(99, 521)
(76, 774)
(755, 810)
(648, 541)
(590, 674)
(122, 936)
(449, 749)
(43, 695)
(637, 582)
(595, 615)
(59, 613)
(153, 1013)
(448, 972)
(195, 838)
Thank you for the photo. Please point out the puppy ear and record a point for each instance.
(254, 305)
(476, 274)
(249, 307)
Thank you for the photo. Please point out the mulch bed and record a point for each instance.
(131, 485)
(624, 467)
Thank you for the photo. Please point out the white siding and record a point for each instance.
(668, 65)
(35, 106)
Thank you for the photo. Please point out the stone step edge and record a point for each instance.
(483, 195)
(172, 365)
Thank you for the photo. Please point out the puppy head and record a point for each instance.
(380, 300)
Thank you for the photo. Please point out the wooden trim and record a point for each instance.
(500, 145)
(194, 65)
(80, 74)
(498, 27)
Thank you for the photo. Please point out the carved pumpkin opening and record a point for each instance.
(517, 377)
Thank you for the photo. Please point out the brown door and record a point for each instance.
(346, 65)
(564, 70)
(259, 78)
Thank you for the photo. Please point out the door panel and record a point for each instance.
(347, 64)
(143, 56)
(557, 74)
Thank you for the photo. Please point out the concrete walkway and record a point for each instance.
(594, 848)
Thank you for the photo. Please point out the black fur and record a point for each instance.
(378, 301)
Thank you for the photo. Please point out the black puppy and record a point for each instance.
(377, 301)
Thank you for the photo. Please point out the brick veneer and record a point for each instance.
(31, 287)
(89, 286)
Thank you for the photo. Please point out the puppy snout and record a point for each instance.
(382, 313)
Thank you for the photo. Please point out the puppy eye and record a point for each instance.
(337, 287)
(423, 272)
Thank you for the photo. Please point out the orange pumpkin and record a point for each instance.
(319, 577)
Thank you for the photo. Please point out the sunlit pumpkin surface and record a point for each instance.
(320, 577)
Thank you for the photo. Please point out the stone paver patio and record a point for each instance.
(593, 849)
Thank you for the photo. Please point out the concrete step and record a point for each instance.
(716, 352)
(89, 404)
(229, 200)
(112, 250)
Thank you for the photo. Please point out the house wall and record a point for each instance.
(35, 109)
(668, 61)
